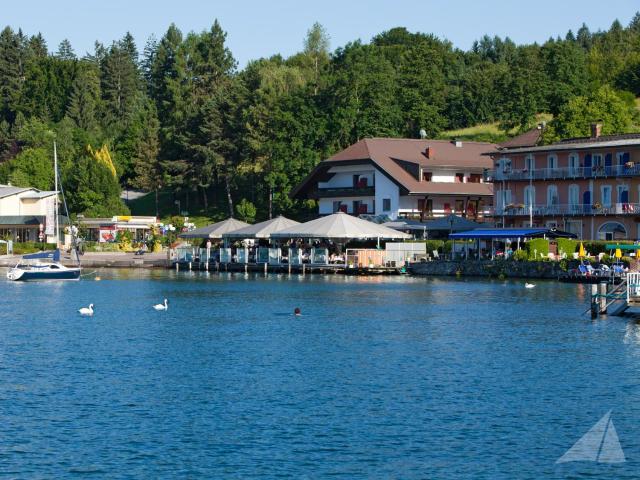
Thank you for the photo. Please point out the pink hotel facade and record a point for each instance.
(588, 186)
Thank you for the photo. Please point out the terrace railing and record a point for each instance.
(565, 173)
(568, 210)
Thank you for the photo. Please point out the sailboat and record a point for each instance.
(46, 265)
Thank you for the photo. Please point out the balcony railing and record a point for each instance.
(568, 210)
(347, 192)
(629, 169)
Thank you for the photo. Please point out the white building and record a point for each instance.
(25, 213)
(403, 178)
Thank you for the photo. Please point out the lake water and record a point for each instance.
(382, 377)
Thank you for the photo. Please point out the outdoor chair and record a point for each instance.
(436, 255)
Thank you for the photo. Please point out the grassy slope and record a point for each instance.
(487, 132)
(167, 208)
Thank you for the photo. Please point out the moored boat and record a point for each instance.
(35, 266)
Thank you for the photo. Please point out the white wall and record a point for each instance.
(385, 188)
(343, 177)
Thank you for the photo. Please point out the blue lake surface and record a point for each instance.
(381, 377)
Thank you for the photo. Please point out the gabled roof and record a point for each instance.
(8, 190)
(387, 154)
(530, 138)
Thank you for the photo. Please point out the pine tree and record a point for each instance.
(65, 51)
(10, 79)
(85, 98)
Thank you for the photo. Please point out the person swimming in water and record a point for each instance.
(297, 312)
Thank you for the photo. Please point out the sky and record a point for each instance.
(261, 28)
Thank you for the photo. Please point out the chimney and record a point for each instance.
(596, 129)
(429, 151)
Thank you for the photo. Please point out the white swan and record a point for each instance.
(86, 311)
(162, 306)
(529, 285)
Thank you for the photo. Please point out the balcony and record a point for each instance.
(629, 169)
(346, 192)
(568, 210)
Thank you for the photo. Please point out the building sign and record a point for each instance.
(50, 222)
(106, 234)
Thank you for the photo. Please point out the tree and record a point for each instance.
(92, 189)
(85, 98)
(119, 83)
(10, 83)
(604, 105)
(65, 51)
(33, 167)
(246, 211)
(316, 47)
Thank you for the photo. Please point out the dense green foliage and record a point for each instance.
(183, 119)
(537, 248)
(567, 246)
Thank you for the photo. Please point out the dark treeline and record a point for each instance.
(180, 117)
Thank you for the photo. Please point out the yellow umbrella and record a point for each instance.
(618, 253)
(581, 253)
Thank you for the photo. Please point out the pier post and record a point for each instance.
(265, 269)
(245, 268)
(603, 297)
(189, 266)
(289, 267)
(177, 266)
(594, 301)
(303, 268)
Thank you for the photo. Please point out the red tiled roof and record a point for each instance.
(386, 152)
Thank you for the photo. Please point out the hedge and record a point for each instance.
(567, 245)
(537, 246)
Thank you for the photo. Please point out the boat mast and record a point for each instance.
(55, 171)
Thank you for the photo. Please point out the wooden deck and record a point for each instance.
(331, 269)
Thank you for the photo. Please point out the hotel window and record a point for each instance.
(622, 157)
(459, 177)
(459, 206)
(529, 163)
(426, 176)
(475, 178)
(529, 195)
(552, 196)
(596, 160)
(574, 163)
(552, 161)
(574, 195)
(605, 191)
(623, 193)
(386, 204)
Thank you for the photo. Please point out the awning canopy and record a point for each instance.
(404, 225)
(613, 246)
(262, 229)
(453, 223)
(215, 230)
(511, 233)
(339, 226)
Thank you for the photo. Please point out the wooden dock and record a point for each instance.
(305, 268)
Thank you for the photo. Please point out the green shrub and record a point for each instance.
(595, 247)
(21, 248)
(537, 246)
(432, 245)
(568, 246)
(520, 255)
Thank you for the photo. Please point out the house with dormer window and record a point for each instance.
(403, 178)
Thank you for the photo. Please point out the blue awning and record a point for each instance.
(510, 233)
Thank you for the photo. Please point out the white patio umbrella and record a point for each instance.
(339, 226)
(262, 229)
(215, 230)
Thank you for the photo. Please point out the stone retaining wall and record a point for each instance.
(488, 268)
